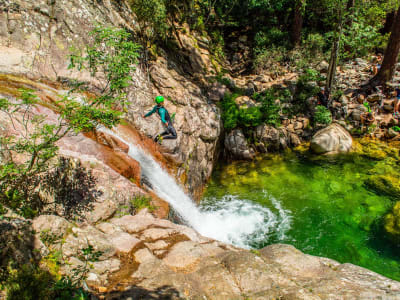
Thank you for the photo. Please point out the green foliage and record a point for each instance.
(250, 117)
(272, 36)
(396, 128)
(113, 54)
(28, 283)
(230, 111)
(306, 87)
(322, 115)
(25, 159)
(152, 16)
(360, 39)
(31, 282)
(270, 111)
(265, 112)
(314, 43)
(141, 202)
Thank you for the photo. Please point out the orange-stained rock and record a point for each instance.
(110, 141)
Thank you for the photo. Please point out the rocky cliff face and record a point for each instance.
(35, 40)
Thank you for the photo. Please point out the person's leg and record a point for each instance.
(162, 134)
(172, 133)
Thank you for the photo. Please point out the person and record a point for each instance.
(396, 113)
(170, 132)
(323, 98)
(378, 65)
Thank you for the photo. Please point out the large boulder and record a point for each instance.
(236, 145)
(268, 137)
(331, 140)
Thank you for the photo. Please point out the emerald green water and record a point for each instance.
(321, 206)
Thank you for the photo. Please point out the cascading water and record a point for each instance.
(235, 221)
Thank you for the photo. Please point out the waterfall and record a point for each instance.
(234, 221)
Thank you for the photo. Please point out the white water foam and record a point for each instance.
(234, 221)
(284, 217)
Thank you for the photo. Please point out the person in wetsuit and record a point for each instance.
(170, 132)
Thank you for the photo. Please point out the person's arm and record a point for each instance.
(150, 112)
(162, 115)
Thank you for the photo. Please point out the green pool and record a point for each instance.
(319, 205)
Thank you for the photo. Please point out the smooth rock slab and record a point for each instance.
(124, 242)
(134, 224)
(186, 255)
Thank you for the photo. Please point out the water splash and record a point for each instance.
(232, 220)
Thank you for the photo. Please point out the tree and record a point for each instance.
(297, 24)
(24, 159)
(386, 72)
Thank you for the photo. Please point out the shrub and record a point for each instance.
(152, 17)
(360, 39)
(322, 115)
(230, 112)
(273, 36)
(250, 117)
(305, 88)
(141, 202)
(314, 43)
(269, 110)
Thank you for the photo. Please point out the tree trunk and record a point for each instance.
(386, 72)
(330, 78)
(297, 24)
(390, 16)
(349, 8)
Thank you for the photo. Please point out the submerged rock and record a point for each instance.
(388, 184)
(331, 140)
(392, 223)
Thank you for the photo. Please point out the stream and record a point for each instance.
(319, 205)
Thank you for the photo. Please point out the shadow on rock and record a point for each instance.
(162, 293)
(71, 189)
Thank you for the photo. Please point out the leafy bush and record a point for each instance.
(245, 118)
(230, 112)
(269, 110)
(305, 89)
(360, 39)
(250, 117)
(141, 202)
(30, 282)
(152, 16)
(322, 115)
(314, 43)
(272, 36)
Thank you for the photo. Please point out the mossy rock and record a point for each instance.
(375, 149)
(392, 223)
(385, 184)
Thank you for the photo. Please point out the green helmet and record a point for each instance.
(159, 99)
